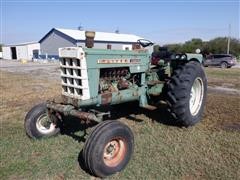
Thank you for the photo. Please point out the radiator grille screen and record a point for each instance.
(74, 78)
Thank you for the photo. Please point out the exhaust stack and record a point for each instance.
(89, 42)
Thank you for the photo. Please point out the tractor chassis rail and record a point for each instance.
(69, 110)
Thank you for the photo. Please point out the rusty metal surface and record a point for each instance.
(106, 98)
(78, 103)
(70, 110)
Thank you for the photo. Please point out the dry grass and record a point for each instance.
(209, 150)
(229, 78)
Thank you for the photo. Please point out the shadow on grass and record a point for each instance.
(71, 125)
(160, 115)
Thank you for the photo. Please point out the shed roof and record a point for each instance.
(78, 35)
(21, 44)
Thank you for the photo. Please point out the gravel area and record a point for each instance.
(43, 69)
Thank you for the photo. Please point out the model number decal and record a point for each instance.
(119, 61)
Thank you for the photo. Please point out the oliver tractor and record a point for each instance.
(92, 79)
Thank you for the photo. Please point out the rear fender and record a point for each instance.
(194, 57)
(190, 57)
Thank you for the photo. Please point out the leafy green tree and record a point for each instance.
(214, 46)
(174, 47)
(219, 46)
(191, 46)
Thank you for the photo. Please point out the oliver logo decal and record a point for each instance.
(119, 61)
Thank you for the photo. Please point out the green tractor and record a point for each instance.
(95, 79)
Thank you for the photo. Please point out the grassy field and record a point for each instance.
(227, 78)
(209, 150)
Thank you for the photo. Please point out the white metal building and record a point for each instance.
(25, 51)
(57, 38)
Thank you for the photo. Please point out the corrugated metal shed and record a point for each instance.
(26, 51)
(22, 44)
(101, 36)
(78, 35)
(57, 38)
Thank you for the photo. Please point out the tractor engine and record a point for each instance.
(115, 79)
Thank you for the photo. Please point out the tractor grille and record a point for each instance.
(74, 78)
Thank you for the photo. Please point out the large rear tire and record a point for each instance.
(38, 123)
(186, 94)
(108, 148)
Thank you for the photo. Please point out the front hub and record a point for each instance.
(114, 152)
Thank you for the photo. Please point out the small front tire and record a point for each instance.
(108, 148)
(38, 124)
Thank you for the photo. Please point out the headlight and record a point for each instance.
(177, 56)
(184, 57)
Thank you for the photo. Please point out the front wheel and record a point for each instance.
(186, 93)
(38, 124)
(224, 65)
(108, 148)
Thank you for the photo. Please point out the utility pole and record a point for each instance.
(229, 36)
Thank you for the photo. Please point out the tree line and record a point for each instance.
(214, 46)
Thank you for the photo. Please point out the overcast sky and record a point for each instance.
(159, 21)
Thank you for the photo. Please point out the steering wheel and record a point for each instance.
(144, 42)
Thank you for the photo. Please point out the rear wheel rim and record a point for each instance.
(114, 152)
(44, 124)
(196, 96)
